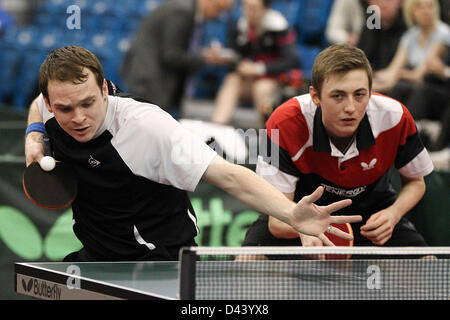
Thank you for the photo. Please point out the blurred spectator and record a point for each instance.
(166, 50)
(345, 22)
(409, 77)
(439, 60)
(438, 64)
(380, 44)
(441, 158)
(429, 98)
(408, 65)
(266, 47)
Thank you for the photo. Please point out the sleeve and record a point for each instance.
(406, 38)
(274, 161)
(446, 39)
(46, 115)
(237, 37)
(237, 41)
(157, 147)
(336, 30)
(289, 58)
(412, 158)
(176, 37)
(444, 35)
(282, 181)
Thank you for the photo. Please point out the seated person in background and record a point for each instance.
(345, 22)
(438, 65)
(428, 100)
(403, 79)
(409, 63)
(345, 138)
(266, 46)
(380, 44)
(165, 50)
(438, 61)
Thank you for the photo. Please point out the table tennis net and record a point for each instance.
(286, 273)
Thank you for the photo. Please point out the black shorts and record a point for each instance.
(404, 234)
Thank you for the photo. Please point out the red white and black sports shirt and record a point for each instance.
(300, 156)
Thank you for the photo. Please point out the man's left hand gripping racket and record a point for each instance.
(54, 189)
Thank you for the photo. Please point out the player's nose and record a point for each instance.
(350, 106)
(78, 116)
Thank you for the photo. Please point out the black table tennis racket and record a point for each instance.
(55, 189)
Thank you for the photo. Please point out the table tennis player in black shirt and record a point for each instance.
(135, 165)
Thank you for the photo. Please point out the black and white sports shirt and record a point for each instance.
(133, 179)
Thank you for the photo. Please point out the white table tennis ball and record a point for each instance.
(47, 163)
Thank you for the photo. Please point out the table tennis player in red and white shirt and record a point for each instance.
(135, 165)
(345, 138)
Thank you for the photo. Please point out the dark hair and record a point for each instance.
(67, 64)
(338, 59)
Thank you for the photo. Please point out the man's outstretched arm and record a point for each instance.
(304, 216)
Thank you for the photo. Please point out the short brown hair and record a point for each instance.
(338, 59)
(67, 64)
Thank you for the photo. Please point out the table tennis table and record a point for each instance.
(238, 280)
(96, 280)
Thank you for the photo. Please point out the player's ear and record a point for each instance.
(47, 104)
(105, 88)
(314, 95)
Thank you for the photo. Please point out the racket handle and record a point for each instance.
(47, 146)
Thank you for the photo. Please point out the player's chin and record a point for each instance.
(348, 130)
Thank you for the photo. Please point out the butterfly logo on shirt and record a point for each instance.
(93, 162)
(369, 166)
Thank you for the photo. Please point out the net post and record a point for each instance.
(188, 259)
